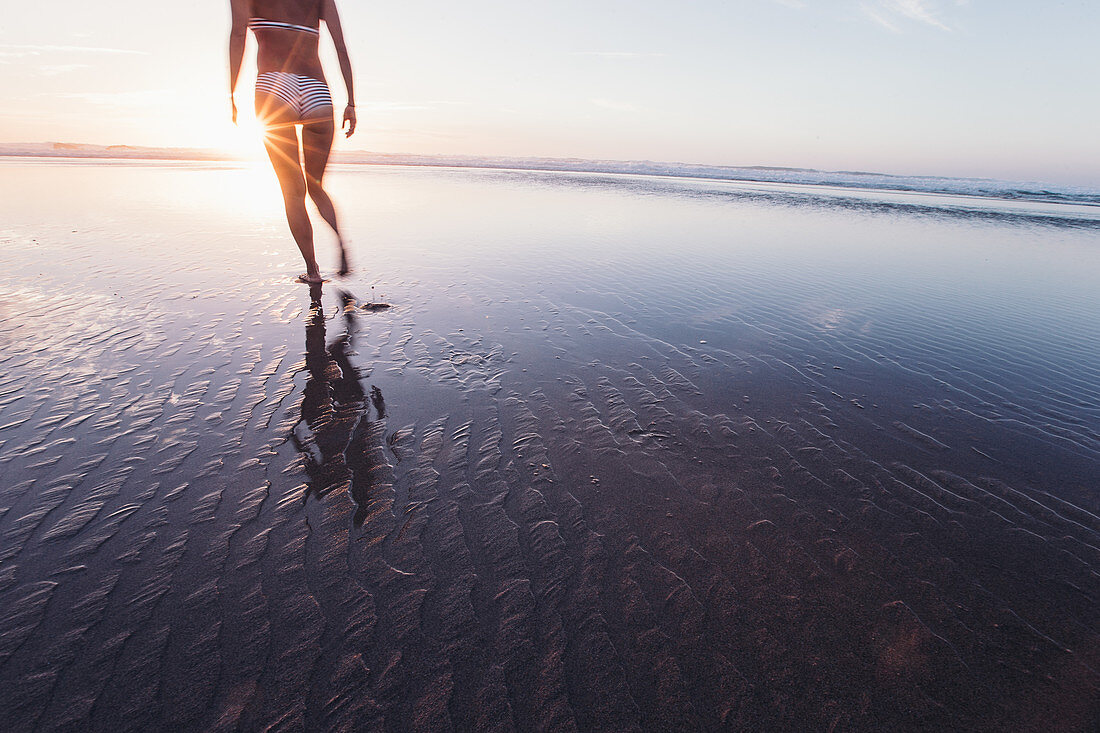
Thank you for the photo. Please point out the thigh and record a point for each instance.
(281, 143)
(316, 145)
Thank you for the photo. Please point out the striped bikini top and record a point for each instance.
(258, 23)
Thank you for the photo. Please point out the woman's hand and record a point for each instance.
(349, 120)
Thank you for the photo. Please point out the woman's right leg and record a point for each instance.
(316, 145)
(281, 143)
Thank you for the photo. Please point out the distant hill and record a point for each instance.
(82, 150)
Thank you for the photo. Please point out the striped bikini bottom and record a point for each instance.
(304, 95)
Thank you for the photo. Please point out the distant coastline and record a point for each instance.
(124, 152)
(983, 187)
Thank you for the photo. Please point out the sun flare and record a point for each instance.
(247, 137)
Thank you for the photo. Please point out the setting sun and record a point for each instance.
(247, 137)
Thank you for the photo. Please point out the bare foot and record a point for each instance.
(305, 277)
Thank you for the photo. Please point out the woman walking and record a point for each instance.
(291, 92)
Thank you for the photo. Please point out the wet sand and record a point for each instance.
(625, 454)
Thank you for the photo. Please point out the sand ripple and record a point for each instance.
(597, 510)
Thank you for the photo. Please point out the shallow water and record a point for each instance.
(626, 453)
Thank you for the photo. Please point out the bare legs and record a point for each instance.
(281, 142)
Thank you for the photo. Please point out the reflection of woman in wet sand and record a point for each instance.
(340, 444)
(291, 92)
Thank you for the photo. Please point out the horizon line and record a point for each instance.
(976, 186)
(56, 149)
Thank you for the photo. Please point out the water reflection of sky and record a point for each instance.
(1006, 295)
(805, 431)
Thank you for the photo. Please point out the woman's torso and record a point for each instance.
(283, 49)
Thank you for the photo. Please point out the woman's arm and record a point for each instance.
(332, 20)
(238, 29)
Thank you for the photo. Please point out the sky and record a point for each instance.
(983, 88)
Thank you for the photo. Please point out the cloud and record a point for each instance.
(613, 105)
(25, 50)
(382, 106)
(137, 98)
(57, 69)
(891, 13)
(874, 14)
(918, 10)
(791, 3)
(617, 54)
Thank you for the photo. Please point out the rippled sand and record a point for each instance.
(624, 454)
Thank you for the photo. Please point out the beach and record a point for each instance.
(624, 452)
